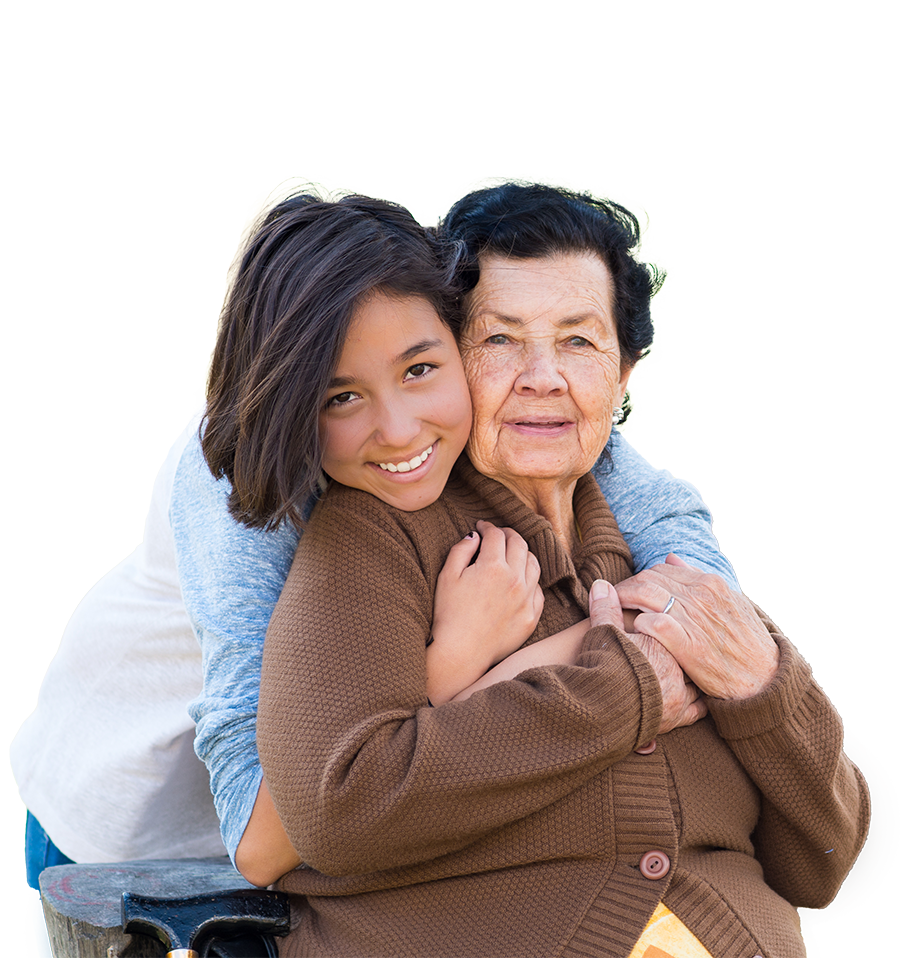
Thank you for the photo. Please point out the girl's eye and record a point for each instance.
(341, 399)
(418, 371)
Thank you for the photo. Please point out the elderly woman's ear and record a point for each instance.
(623, 406)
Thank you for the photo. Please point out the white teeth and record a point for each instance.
(413, 463)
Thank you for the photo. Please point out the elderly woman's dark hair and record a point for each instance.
(526, 220)
(307, 265)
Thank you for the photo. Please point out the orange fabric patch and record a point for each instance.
(667, 937)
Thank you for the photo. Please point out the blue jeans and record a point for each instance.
(40, 852)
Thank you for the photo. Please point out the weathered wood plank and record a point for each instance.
(83, 903)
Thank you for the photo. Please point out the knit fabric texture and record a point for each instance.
(514, 823)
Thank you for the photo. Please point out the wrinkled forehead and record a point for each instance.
(565, 288)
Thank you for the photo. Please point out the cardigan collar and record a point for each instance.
(602, 552)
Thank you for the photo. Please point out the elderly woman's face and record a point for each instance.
(542, 359)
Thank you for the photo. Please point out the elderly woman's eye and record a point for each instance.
(579, 341)
(498, 339)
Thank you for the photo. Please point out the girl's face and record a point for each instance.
(397, 413)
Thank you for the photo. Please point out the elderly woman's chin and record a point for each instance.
(538, 449)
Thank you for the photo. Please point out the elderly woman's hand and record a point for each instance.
(713, 632)
(682, 704)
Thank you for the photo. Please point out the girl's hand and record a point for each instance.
(265, 852)
(483, 611)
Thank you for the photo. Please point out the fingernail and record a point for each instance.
(600, 589)
(472, 535)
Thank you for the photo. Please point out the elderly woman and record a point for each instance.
(587, 807)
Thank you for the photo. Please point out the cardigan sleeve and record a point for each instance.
(364, 774)
(815, 809)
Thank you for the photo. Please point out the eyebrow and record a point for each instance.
(417, 348)
(404, 357)
(565, 323)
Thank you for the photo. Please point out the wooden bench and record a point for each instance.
(83, 903)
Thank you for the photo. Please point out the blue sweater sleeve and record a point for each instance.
(658, 513)
(231, 578)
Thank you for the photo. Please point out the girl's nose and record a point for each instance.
(397, 425)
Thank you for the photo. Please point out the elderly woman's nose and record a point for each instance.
(540, 374)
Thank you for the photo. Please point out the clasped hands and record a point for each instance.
(710, 642)
(702, 639)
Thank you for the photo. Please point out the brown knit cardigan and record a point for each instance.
(514, 823)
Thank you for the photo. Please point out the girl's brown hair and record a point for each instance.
(296, 283)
